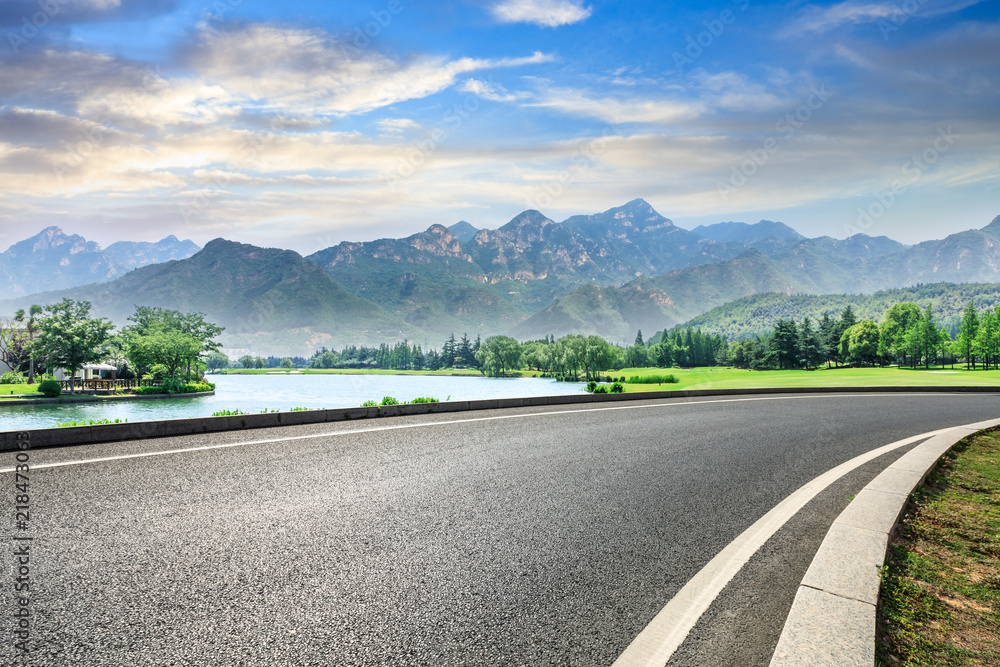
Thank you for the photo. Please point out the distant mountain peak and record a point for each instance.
(529, 217)
(743, 232)
(993, 227)
(463, 231)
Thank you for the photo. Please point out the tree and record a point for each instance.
(15, 348)
(810, 348)
(863, 341)
(498, 355)
(247, 361)
(638, 338)
(892, 332)
(598, 356)
(287, 363)
(69, 338)
(33, 311)
(785, 342)
(967, 333)
(168, 338)
(930, 334)
(216, 361)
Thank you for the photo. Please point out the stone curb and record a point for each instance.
(99, 399)
(83, 435)
(832, 620)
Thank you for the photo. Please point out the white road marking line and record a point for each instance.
(331, 434)
(655, 645)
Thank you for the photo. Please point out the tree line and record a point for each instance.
(157, 344)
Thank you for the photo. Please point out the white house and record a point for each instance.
(90, 372)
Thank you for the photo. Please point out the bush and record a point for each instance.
(603, 389)
(591, 387)
(617, 388)
(389, 400)
(175, 387)
(424, 399)
(369, 404)
(13, 377)
(654, 379)
(50, 388)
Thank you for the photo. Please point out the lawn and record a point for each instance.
(733, 378)
(8, 389)
(344, 371)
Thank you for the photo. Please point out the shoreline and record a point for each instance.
(98, 399)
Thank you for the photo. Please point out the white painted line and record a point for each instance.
(654, 646)
(673, 403)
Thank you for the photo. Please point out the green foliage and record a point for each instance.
(389, 400)
(653, 379)
(229, 413)
(591, 387)
(617, 388)
(90, 422)
(13, 377)
(499, 355)
(69, 338)
(216, 361)
(369, 404)
(601, 389)
(176, 387)
(287, 363)
(425, 399)
(50, 388)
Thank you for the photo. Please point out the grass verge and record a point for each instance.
(940, 601)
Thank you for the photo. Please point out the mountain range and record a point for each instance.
(610, 273)
(53, 260)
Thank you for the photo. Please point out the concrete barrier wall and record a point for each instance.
(82, 435)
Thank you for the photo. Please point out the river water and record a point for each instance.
(254, 393)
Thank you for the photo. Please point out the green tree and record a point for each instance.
(967, 333)
(33, 312)
(498, 355)
(287, 363)
(247, 361)
(893, 329)
(216, 361)
(69, 338)
(863, 342)
(598, 356)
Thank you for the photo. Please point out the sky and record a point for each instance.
(303, 124)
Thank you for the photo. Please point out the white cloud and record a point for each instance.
(817, 19)
(545, 13)
(396, 125)
(309, 71)
(617, 110)
(491, 91)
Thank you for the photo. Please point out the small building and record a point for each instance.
(91, 372)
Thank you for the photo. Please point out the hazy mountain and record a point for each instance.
(757, 314)
(273, 301)
(132, 254)
(463, 231)
(742, 232)
(858, 265)
(53, 260)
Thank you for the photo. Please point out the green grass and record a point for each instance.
(733, 378)
(91, 422)
(8, 389)
(941, 583)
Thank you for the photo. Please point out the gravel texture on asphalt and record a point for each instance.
(549, 537)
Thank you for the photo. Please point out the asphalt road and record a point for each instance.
(550, 536)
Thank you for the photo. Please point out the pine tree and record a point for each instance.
(967, 333)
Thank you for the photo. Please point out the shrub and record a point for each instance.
(90, 422)
(175, 387)
(617, 388)
(389, 400)
(369, 404)
(603, 389)
(13, 377)
(591, 387)
(425, 399)
(654, 379)
(51, 388)
(229, 413)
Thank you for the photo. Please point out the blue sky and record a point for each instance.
(303, 124)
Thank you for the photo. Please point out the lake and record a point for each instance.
(254, 393)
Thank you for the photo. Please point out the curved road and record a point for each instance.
(533, 536)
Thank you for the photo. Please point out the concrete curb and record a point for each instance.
(832, 620)
(98, 399)
(83, 435)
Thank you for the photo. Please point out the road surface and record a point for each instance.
(534, 536)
